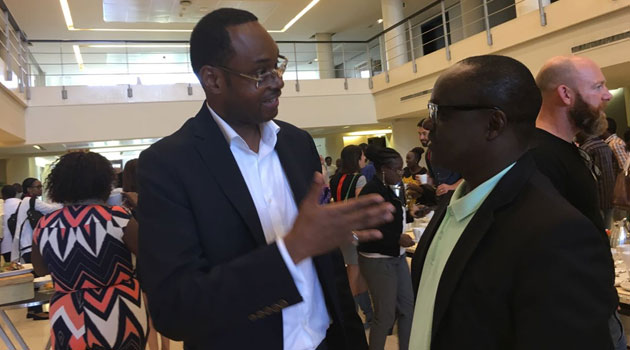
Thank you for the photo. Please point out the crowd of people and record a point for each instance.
(242, 243)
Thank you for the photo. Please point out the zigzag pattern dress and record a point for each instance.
(97, 302)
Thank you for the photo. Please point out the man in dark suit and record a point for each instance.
(506, 262)
(227, 258)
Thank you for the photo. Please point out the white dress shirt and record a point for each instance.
(10, 206)
(304, 324)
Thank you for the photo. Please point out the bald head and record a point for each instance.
(564, 70)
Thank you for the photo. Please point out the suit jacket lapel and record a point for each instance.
(215, 152)
(505, 192)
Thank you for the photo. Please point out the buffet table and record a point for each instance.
(40, 298)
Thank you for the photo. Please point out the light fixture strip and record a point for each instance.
(65, 8)
(77, 56)
(299, 15)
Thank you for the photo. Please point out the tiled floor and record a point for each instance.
(35, 333)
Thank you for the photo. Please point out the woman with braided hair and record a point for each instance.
(383, 262)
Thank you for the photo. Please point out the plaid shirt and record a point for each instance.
(602, 158)
(619, 149)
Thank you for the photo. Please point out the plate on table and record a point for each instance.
(27, 268)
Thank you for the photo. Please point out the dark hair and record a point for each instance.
(28, 182)
(418, 151)
(329, 157)
(421, 122)
(508, 84)
(130, 180)
(350, 156)
(382, 156)
(18, 188)
(612, 125)
(8, 191)
(210, 42)
(79, 176)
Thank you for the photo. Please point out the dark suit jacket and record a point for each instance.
(529, 272)
(211, 279)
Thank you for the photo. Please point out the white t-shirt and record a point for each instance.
(23, 229)
(9, 207)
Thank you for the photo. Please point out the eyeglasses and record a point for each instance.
(433, 109)
(263, 79)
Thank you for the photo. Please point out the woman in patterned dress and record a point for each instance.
(86, 246)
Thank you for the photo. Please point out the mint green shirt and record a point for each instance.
(460, 211)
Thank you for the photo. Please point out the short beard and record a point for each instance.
(590, 120)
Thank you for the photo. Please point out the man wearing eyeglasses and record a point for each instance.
(506, 262)
(574, 99)
(227, 258)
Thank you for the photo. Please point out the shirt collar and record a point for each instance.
(464, 204)
(268, 131)
(610, 138)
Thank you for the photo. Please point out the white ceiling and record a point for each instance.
(348, 19)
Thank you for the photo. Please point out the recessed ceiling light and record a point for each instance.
(203, 9)
(65, 8)
(379, 21)
(38, 147)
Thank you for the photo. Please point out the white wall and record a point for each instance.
(106, 113)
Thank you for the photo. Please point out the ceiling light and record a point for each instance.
(38, 147)
(296, 18)
(66, 14)
(316, 60)
(379, 21)
(132, 30)
(370, 132)
(77, 55)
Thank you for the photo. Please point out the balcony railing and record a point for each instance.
(435, 27)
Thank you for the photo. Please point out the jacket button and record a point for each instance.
(276, 308)
(267, 310)
(260, 314)
(283, 303)
(252, 317)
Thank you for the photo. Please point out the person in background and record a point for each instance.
(330, 167)
(575, 97)
(130, 202)
(23, 237)
(347, 184)
(18, 190)
(368, 170)
(383, 262)
(443, 179)
(600, 161)
(86, 247)
(616, 144)
(9, 207)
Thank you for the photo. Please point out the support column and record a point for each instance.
(325, 62)
(526, 6)
(395, 40)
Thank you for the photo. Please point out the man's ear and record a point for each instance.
(211, 80)
(566, 94)
(496, 124)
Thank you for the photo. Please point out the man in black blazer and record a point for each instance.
(528, 270)
(226, 257)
